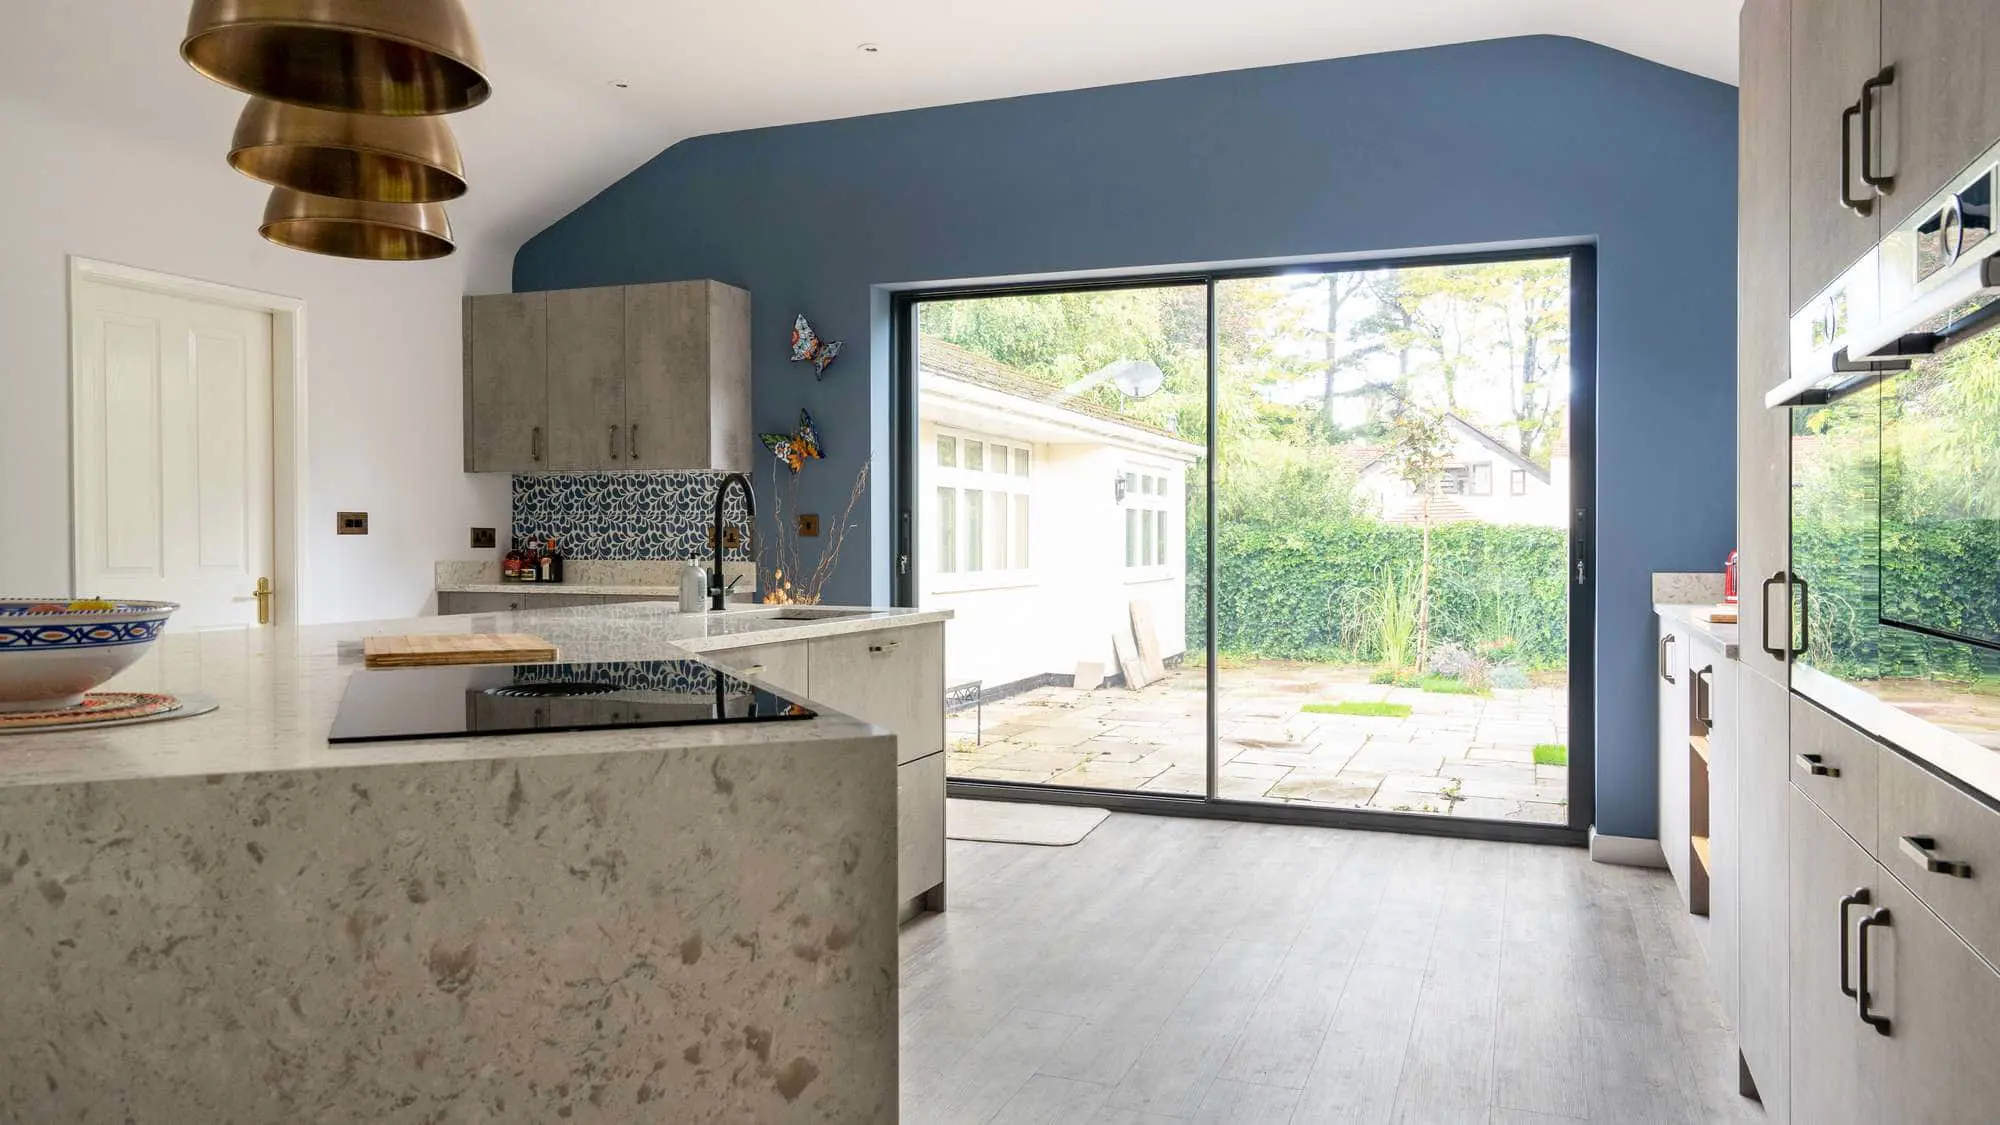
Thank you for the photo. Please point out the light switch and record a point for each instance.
(352, 523)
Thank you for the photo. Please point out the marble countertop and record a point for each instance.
(1697, 622)
(279, 688)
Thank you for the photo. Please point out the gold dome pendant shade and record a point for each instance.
(347, 228)
(392, 57)
(348, 155)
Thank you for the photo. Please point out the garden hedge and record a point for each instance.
(1306, 591)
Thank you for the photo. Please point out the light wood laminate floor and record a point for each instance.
(1170, 969)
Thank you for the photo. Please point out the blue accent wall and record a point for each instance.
(1502, 142)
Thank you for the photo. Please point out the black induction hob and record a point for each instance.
(461, 701)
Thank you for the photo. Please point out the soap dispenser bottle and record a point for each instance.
(694, 589)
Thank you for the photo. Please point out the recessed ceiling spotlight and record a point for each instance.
(870, 48)
(619, 84)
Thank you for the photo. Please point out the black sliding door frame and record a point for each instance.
(905, 561)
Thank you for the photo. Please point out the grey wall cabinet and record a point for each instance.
(506, 382)
(1836, 47)
(586, 365)
(1890, 98)
(621, 377)
(687, 376)
(1942, 107)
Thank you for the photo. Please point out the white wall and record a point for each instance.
(383, 358)
(1078, 593)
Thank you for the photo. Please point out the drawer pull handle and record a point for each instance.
(1923, 850)
(885, 646)
(1815, 765)
(1877, 917)
(1859, 897)
(1664, 674)
(753, 670)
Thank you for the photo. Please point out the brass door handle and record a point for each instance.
(614, 443)
(632, 442)
(263, 595)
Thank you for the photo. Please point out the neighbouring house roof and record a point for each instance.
(1361, 458)
(1444, 509)
(943, 365)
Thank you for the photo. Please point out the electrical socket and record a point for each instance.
(808, 525)
(482, 537)
(351, 523)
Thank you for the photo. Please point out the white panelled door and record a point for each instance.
(173, 452)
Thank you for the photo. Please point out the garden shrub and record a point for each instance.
(1304, 590)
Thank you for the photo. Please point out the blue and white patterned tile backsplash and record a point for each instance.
(625, 515)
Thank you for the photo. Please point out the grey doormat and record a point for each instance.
(1012, 822)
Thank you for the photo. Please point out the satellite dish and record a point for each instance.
(1136, 378)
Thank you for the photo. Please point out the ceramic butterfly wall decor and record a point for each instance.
(807, 347)
(795, 447)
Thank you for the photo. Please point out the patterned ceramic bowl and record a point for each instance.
(53, 650)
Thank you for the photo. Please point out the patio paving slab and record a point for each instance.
(1481, 748)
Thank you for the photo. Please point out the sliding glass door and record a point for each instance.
(1059, 447)
(1302, 545)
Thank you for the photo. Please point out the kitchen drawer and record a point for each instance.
(919, 827)
(1835, 765)
(783, 666)
(890, 677)
(1962, 837)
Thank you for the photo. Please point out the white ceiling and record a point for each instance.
(556, 131)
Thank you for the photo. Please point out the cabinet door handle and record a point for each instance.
(1858, 897)
(1923, 849)
(1876, 917)
(884, 647)
(1805, 615)
(1882, 184)
(1704, 702)
(1665, 640)
(535, 443)
(1776, 653)
(1861, 207)
(632, 443)
(1815, 765)
(614, 443)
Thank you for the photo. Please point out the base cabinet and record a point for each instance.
(1894, 1018)
(893, 678)
(1763, 795)
(920, 832)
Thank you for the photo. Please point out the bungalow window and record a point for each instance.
(1482, 479)
(1454, 480)
(1146, 508)
(982, 513)
(1517, 482)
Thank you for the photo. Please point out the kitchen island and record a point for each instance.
(225, 918)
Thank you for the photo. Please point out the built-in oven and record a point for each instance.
(1895, 540)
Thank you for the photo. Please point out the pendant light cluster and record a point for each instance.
(345, 116)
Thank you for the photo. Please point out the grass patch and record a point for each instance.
(1363, 708)
(1551, 754)
(1447, 685)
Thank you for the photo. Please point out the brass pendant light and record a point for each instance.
(347, 228)
(348, 155)
(390, 57)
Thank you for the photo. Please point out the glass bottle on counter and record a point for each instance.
(510, 567)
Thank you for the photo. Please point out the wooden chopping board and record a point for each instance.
(424, 650)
